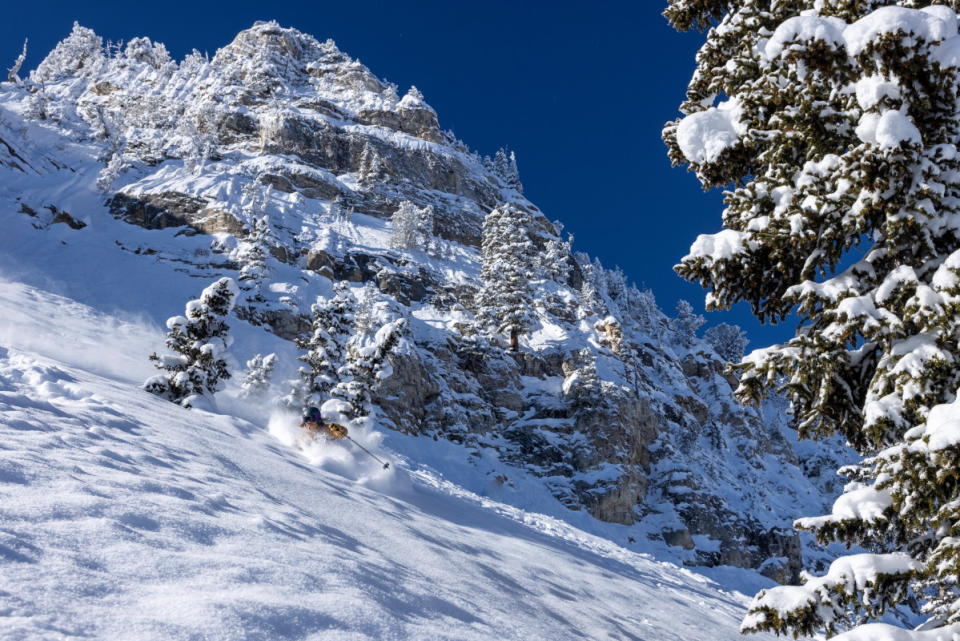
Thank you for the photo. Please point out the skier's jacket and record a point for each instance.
(330, 430)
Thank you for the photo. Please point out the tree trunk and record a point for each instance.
(15, 69)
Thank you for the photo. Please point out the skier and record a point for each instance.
(313, 422)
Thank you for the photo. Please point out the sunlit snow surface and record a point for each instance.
(126, 517)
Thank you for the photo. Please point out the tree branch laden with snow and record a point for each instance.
(838, 134)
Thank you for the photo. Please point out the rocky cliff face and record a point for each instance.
(280, 124)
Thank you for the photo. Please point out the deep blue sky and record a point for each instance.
(578, 90)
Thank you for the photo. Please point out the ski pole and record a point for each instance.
(385, 465)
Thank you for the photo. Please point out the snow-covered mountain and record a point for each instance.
(130, 181)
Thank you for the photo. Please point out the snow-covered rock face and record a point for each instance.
(302, 115)
(278, 124)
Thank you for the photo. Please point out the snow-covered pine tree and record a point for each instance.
(254, 198)
(505, 299)
(427, 230)
(111, 171)
(642, 308)
(367, 314)
(37, 103)
(153, 54)
(728, 341)
(370, 168)
(199, 341)
(340, 212)
(591, 289)
(686, 323)
(411, 226)
(197, 129)
(504, 165)
(366, 363)
(582, 387)
(414, 98)
(838, 129)
(110, 127)
(256, 380)
(555, 260)
(79, 54)
(253, 254)
(325, 349)
(404, 226)
(615, 286)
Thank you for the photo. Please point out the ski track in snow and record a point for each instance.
(125, 517)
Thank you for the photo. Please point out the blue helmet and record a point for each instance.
(312, 414)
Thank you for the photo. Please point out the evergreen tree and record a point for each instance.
(590, 301)
(111, 171)
(686, 323)
(152, 54)
(505, 298)
(644, 311)
(838, 131)
(374, 338)
(555, 260)
(413, 100)
(254, 251)
(255, 197)
(583, 387)
(109, 126)
(199, 340)
(592, 288)
(197, 129)
(504, 165)
(404, 226)
(615, 286)
(366, 316)
(728, 341)
(365, 367)
(427, 230)
(371, 167)
(38, 102)
(411, 227)
(79, 54)
(341, 214)
(324, 349)
(256, 381)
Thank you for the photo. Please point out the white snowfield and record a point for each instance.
(126, 517)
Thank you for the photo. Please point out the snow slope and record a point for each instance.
(126, 517)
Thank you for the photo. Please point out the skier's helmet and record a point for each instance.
(311, 414)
